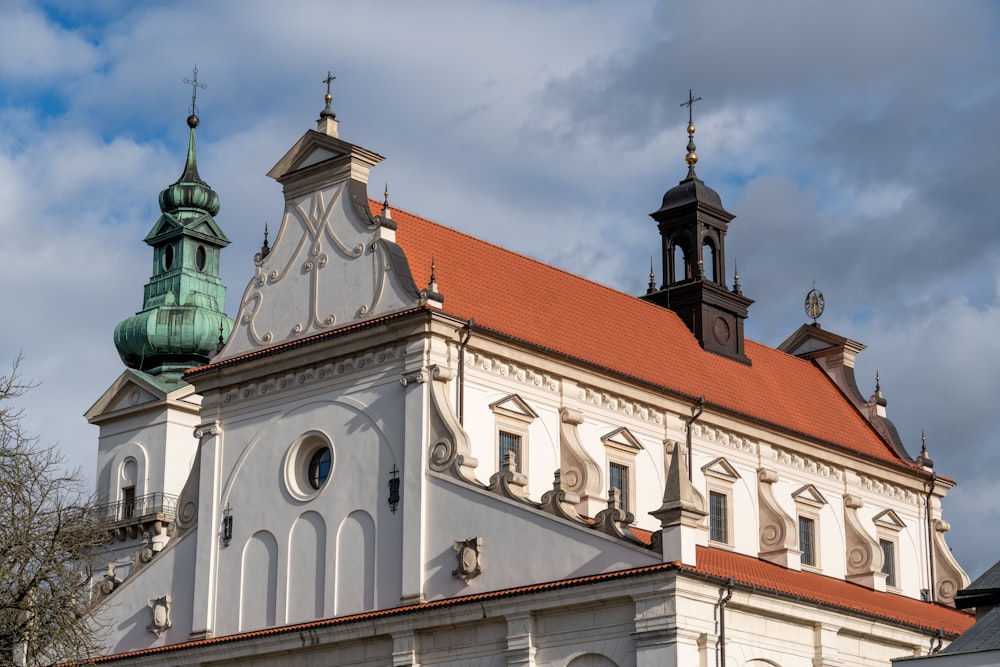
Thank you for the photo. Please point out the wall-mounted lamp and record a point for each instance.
(394, 489)
(227, 525)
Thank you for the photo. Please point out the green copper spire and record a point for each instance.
(182, 315)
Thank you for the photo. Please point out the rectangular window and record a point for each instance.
(888, 561)
(718, 517)
(510, 442)
(128, 502)
(618, 479)
(807, 540)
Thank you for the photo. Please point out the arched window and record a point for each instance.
(709, 263)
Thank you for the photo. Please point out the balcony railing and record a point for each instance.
(137, 509)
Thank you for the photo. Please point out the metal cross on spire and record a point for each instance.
(327, 112)
(194, 90)
(690, 105)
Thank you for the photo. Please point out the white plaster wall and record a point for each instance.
(350, 523)
(125, 615)
(521, 546)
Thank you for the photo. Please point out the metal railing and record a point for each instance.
(135, 509)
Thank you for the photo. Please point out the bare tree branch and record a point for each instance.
(46, 533)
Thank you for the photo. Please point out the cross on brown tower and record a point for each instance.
(690, 104)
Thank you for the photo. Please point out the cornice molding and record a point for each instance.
(724, 437)
(338, 367)
(810, 465)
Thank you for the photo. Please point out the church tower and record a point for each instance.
(693, 225)
(182, 319)
(148, 415)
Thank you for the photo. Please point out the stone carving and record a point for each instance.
(884, 488)
(324, 243)
(560, 502)
(509, 483)
(725, 438)
(580, 473)
(777, 529)
(160, 617)
(449, 442)
(512, 370)
(468, 552)
(793, 459)
(615, 520)
(864, 556)
(949, 577)
(619, 404)
(342, 366)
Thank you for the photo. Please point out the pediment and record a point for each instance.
(811, 338)
(514, 406)
(810, 495)
(889, 519)
(721, 468)
(135, 390)
(314, 148)
(208, 228)
(164, 226)
(130, 390)
(623, 439)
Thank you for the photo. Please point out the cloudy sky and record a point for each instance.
(855, 141)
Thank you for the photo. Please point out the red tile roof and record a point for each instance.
(831, 591)
(717, 563)
(528, 300)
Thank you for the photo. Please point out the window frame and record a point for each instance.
(810, 521)
(620, 449)
(720, 477)
(727, 518)
(512, 415)
(888, 526)
(809, 504)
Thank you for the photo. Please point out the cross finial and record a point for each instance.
(690, 105)
(328, 112)
(194, 91)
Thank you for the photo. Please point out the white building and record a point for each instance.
(418, 448)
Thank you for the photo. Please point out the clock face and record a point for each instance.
(721, 330)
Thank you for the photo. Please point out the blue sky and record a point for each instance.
(854, 141)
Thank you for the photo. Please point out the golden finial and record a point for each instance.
(691, 158)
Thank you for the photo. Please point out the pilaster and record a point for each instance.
(520, 642)
(206, 568)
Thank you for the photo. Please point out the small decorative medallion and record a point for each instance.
(468, 552)
(160, 621)
(721, 330)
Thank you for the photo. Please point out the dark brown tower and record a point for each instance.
(693, 225)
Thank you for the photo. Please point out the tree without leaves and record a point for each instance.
(46, 532)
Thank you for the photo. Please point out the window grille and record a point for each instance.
(618, 479)
(807, 540)
(509, 442)
(718, 517)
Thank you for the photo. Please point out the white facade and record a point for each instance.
(335, 348)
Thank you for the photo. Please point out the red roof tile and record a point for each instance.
(747, 571)
(828, 590)
(540, 304)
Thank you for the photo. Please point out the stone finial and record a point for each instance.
(560, 502)
(682, 515)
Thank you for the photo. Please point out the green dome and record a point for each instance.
(189, 191)
(182, 316)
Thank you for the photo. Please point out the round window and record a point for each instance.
(168, 257)
(199, 258)
(308, 466)
(319, 468)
